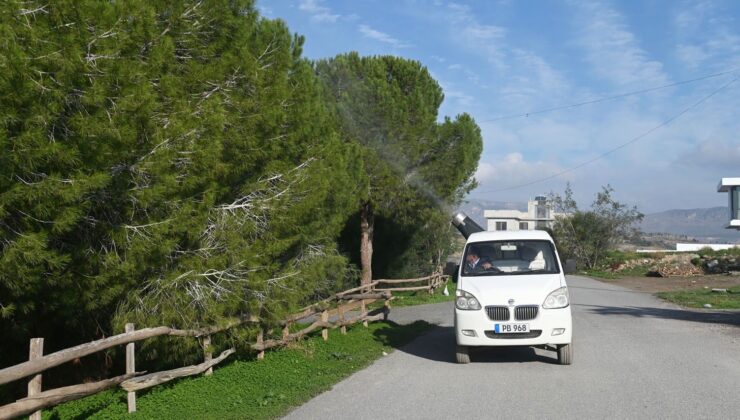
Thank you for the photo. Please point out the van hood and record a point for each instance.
(525, 289)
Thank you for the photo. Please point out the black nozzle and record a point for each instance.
(465, 224)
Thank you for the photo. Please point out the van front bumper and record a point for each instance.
(542, 329)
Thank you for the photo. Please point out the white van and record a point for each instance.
(511, 291)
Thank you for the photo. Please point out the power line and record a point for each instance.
(621, 146)
(608, 98)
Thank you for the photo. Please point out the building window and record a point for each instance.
(541, 225)
(500, 225)
(523, 226)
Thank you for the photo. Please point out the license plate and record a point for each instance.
(511, 328)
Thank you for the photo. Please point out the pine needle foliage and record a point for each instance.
(170, 163)
(417, 168)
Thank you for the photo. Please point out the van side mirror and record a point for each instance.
(451, 269)
(570, 266)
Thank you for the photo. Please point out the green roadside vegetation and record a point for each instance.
(691, 298)
(615, 258)
(697, 298)
(603, 274)
(252, 389)
(423, 297)
(208, 172)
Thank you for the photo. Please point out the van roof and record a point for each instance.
(510, 235)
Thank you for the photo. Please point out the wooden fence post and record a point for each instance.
(363, 310)
(325, 331)
(343, 328)
(286, 332)
(207, 354)
(35, 351)
(260, 342)
(131, 368)
(386, 309)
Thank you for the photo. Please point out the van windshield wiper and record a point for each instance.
(540, 271)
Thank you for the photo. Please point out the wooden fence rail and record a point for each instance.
(330, 313)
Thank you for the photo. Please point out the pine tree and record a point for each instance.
(170, 162)
(415, 167)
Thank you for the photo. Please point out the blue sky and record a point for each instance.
(498, 58)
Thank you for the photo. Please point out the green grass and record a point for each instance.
(423, 297)
(637, 271)
(607, 275)
(616, 257)
(733, 252)
(696, 298)
(252, 389)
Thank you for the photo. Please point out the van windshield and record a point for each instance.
(495, 258)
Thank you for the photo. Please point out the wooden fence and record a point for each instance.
(334, 312)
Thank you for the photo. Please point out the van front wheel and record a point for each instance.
(463, 355)
(565, 354)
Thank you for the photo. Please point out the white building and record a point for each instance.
(539, 215)
(732, 187)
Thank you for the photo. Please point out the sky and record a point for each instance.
(496, 60)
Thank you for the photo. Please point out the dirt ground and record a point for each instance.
(669, 284)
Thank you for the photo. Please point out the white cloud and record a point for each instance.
(266, 11)
(612, 50)
(488, 39)
(451, 92)
(519, 75)
(720, 154)
(454, 66)
(383, 37)
(511, 170)
(318, 12)
(692, 14)
(692, 55)
(462, 98)
(707, 37)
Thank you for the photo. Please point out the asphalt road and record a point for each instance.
(634, 357)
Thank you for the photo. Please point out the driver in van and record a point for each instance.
(474, 263)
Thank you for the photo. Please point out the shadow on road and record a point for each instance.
(730, 318)
(439, 345)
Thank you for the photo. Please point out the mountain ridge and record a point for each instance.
(703, 224)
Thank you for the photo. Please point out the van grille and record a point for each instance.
(525, 313)
(512, 336)
(497, 313)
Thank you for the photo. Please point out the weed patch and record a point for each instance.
(252, 389)
(697, 298)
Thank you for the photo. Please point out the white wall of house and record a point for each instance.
(696, 247)
(732, 187)
(539, 214)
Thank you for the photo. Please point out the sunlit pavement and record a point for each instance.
(634, 357)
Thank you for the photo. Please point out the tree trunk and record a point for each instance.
(367, 221)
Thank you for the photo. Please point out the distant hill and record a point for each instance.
(705, 224)
(474, 208)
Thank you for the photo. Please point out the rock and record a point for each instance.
(707, 305)
(385, 354)
(719, 290)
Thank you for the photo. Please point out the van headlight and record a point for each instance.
(557, 299)
(466, 302)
